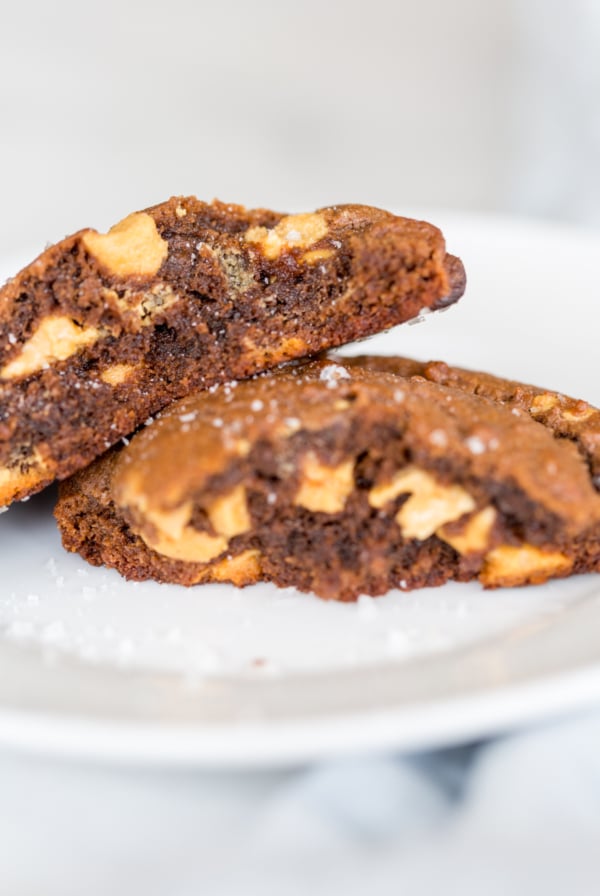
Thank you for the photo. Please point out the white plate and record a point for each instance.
(95, 666)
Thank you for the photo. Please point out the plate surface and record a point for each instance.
(95, 666)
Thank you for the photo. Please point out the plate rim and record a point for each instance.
(516, 686)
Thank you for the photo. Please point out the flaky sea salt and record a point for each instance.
(332, 374)
(475, 445)
(438, 437)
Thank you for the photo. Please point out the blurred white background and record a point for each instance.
(111, 107)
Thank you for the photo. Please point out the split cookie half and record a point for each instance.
(340, 479)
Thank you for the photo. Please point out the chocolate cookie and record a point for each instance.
(103, 330)
(338, 479)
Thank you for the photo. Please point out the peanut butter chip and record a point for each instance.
(292, 232)
(56, 339)
(315, 255)
(169, 532)
(191, 546)
(173, 537)
(509, 565)
(117, 374)
(241, 569)
(543, 403)
(323, 488)
(579, 413)
(429, 506)
(132, 248)
(475, 535)
(229, 515)
(284, 350)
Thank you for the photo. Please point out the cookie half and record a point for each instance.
(341, 480)
(103, 330)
